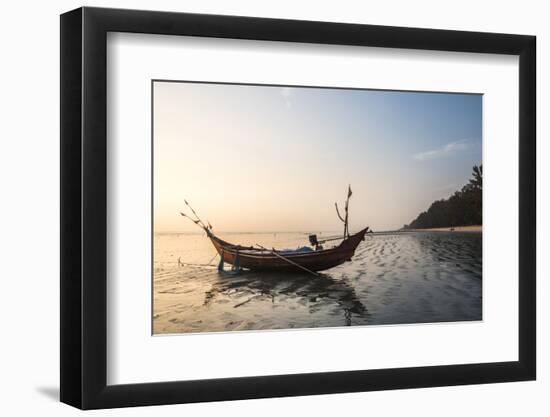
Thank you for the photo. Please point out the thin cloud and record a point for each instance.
(447, 187)
(445, 151)
(286, 93)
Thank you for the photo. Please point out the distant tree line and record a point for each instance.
(463, 208)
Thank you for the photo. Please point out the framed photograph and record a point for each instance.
(257, 208)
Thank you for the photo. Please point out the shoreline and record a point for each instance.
(475, 229)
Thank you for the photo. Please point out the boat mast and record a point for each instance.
(346, 217)
(197, 219)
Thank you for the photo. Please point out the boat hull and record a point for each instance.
(319, 260)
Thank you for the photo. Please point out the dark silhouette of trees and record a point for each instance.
(477, 174)
(463, 208)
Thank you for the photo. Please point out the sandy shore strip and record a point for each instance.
(476, 228)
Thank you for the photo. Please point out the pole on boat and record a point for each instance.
(289, 261)
(198, 221)
(220, 265)
(345, 218)
(347, 207)
(331, 239)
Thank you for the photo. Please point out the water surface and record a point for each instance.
(418, 277)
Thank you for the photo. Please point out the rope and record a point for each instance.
(180, 263)
(214, 257)
(288, 260)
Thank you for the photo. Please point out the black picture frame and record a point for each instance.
(84, 207)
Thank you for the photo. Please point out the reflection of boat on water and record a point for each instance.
(272, 287)
(305, 258)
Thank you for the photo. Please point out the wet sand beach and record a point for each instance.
(392, 279)
(475, 229)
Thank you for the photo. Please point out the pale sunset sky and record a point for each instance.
(262, 158)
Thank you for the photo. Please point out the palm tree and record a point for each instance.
(477, 180)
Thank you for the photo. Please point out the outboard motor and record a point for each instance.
(313, 240)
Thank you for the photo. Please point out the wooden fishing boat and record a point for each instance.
(253, 258)
(306, 259)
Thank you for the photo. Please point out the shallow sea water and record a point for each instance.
(417, 277)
